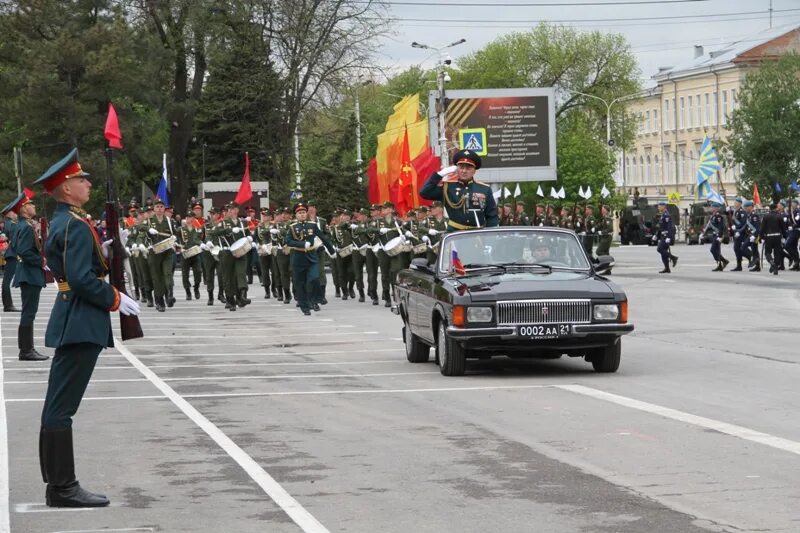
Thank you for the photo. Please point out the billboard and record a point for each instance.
(514, 131)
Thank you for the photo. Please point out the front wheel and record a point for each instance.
(607, 359)
(416, 350)
(452, 357)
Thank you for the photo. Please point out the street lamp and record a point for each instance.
(609, 142)
(441, 78)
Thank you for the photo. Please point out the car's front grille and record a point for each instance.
(544, 312)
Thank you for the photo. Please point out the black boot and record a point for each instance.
(352, 292)
(266, 292)
(63, 490)
(136, 293)
(8, 304)
(170, 298)
(210, 297)
(674, 259)
(665, 271)
(738, 266)
(188, 295)
(361, 295)
(25, 341)
(197, 292)
(241, 300)
(274, 292)
(344, 295)
(719, 267)
(160, 304)
(231, 304)
(724, 263)
(150, 299)
(221, 298)
(338, 293)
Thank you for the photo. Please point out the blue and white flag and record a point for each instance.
(161, 193)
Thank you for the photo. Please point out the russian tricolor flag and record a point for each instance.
(458, 268)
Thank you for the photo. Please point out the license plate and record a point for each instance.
(544, 331)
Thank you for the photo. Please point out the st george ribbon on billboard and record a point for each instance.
(512, 129)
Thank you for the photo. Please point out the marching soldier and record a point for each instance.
(283, 259)
(717, 225)
(200, 224)
(190, 239)
(469, 203)
(322, 224)
(10, 254)
(252, 256)
(79, 328)
(209, 259)
(230, 231)
(360, 242)
(335, 216)
(506, 215)
(520, 217)
(605, 231)
(141, 242)
(590, 229)
(793, 235)
(665, 236)
(741, 249)
(565, 220)
(386, 229)
(551, 218)
(161, 228)
(300, 236)
(344, 264)
(752, 232)
(264, 240)
(371, 234)
(538, 217)
(29, 274)
(420, 230)
(127, 234)
(786, 220)
(436, 226)
(772, 231)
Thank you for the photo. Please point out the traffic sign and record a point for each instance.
(473, 139)
(674, 198)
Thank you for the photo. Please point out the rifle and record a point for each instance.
(129, 324)
(48, 275)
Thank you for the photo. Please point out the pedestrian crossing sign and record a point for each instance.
(473, 139)
(674, 198)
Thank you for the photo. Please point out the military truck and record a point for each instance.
(696, 218)
(638, 222)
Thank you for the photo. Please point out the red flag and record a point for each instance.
(425, 164)
(756, 196)
(402, 190)
(112, 132)
(245, 192)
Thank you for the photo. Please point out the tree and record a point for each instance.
(765, 128)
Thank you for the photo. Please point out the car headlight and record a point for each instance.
(606, 312)
(479, 314)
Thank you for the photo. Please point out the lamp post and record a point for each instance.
(441, 78)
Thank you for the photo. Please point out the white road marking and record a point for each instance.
(733, 430)
(42, 508)
(117, 530)
(5, 519)
(229, 354)
(272, 488)
(295, 363)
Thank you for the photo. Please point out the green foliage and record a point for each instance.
(765, 128)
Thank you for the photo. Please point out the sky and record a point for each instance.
(660, 33)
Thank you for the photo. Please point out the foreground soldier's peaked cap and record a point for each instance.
(69, 167)
(469, 157)
(363, 211)
(197, 204)
(158, 201)
(422, 209)
(300, 206)
(16, 204)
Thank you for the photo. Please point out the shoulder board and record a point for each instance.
(481, 183)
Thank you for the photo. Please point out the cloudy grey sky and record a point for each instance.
(656, 35)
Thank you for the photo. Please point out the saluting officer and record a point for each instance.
(666, 236)
(717, 224)
(300, 237)
(29, 274)
(469, 203)
(10, 225)
(79, 327)
(190, 237)
(161, 227)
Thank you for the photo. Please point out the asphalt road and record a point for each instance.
(266, 420)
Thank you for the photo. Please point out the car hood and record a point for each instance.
(534, 285)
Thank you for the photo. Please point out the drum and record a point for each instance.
(420, 248)
(265, 249)
(241, 247)
(346, 251)
(363, 250)
(394, 247)
(162, 246)
(376, 247)
(407, 247)
(192, 251)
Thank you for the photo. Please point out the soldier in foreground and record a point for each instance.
(665, 236)
(301, 236)
(717, 225)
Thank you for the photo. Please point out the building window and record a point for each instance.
(682, 114)
(733, 99)
(690, 122)
(655, 120)
(682, 167)
(708, 110)
(667, 168)
(641, 169)
(724, 107)
(647, 121)
(666, 115)
(699, 109)
(656, 171)
(715, 114)
(647, 170)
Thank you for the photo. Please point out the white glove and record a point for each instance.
(719, 239)
(433, 232)
(447, 171)
(667, 240)
(203, 246)
(353, 226)
(124, 234)
(426, 239)
(752, 238)
(737, 235)
(127, 305)
(105, 246)
(308, 245)
(384, 231)
(247, 219)
(237, 230)
(409, 234)
(209, 244)
(274, 231)
(250, 238)
(152, 231)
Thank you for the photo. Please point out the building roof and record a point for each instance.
(726, 56)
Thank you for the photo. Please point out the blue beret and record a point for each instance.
(738, 199)
(748, 203)
(69, 167)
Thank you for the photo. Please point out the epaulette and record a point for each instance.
(481, 183)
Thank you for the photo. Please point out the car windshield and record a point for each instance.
(535, 249)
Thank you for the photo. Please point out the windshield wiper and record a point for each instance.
(527, 265)
(484, 266)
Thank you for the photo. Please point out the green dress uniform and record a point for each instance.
(388, 229)
(211, 260)
(469, 205)
(343, 237)
(305, 262)
(605, 232)
(283, 259)
(161, 265)
(188, 237)
(127, 233)
(141, 241)
(361, 243)
(434, 228)
(264, 239)
(277, 287)
(590, 228)
(11, 265)
(234, 269)
(371, 259)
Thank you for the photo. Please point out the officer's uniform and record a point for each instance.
(79, 329)
(305, 263)
(161, 265)
(752, 230)
(11, 264)
(741, 247)
(209, 259)
(717, 225)
(772, 231)
(371, 259)
(666, 236)
(189, 237)
(283, 260)
(28, 277)
(605, 233)
(264, 239)
(469, 205)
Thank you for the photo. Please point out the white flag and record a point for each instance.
(539, 192)
(605, 193)
(588, 192)
(562, 193)
(506, 192)
(497, 194)
(517, 191)
(553, 193)
(580, 192)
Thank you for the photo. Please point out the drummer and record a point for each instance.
(161, 230)
(264, 240)
(469, 203)
(388, 232)
(233, 234)
(190, 239)
(344, 258)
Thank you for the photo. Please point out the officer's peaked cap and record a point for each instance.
(69, 167)
(467, 156)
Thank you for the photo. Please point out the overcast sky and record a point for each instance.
(657, 38)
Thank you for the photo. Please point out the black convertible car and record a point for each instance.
(513, 291)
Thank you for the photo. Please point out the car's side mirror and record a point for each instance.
(603, 264)
(421, 264)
